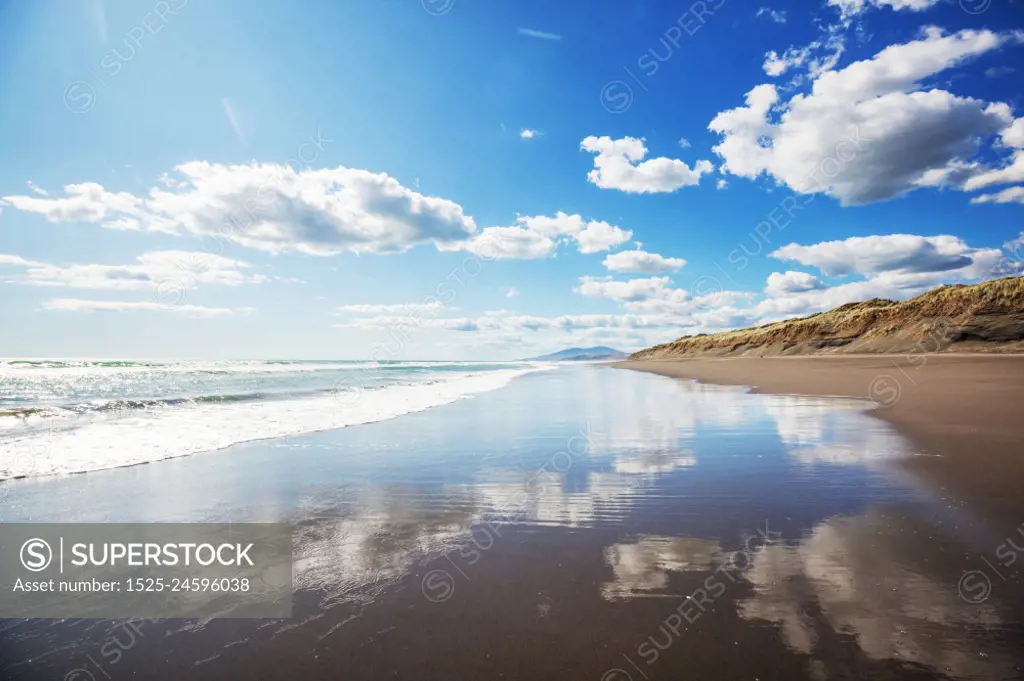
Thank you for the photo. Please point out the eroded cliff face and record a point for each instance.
(986, 317)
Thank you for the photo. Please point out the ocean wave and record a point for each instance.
(144, 431)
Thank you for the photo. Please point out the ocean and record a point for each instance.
(59, 416)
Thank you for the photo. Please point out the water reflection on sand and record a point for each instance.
(634, 488)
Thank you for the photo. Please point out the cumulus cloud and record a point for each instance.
(600, 236)
(538, 236)
(870, 131)
(619, 165)
(642, 262)
(518, 243)
(270, 207)
(183, 269)
(528, 134)
(656, 296)
(199, 311)
(895, 266)
(792, 282)
(890, 253)
(633, 290)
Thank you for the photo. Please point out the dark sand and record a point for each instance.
(965, 411)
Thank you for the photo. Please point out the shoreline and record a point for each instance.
(964, 411)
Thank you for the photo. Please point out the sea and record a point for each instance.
(74, 416)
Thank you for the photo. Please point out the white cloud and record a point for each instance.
(895, 266)
(538, 236)
(1013, 135)
(792, 282)
(1009, 195)
(511, 293)
(684, 143)
(641, 262)
(904, 253)
(721, 184)
(517, 243)
(655, 296)
(850, 8)
(528, 134)
(270, 207)
(1012, 172)
(776, 65)
(76, 305)
(600, 236)
(433, 307)
(85, 202)
(818, 56)
(868, 132)
(778, 16)
(37, 189)
(19, 261)
(180, 270)
(619, 165)
(632, 290)
(543, 35)
(519, 323)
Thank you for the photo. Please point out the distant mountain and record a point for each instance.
(985, 317)
(581, 355)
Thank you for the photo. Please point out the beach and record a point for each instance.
(582, 522)
(962, 412)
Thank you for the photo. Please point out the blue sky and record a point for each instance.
(455, 179)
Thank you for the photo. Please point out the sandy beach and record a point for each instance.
(581, 522)
(964, 412)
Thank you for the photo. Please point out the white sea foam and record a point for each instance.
(101, 441)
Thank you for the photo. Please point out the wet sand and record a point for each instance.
(581, 523)
(965, 411)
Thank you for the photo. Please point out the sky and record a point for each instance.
(447, 179)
